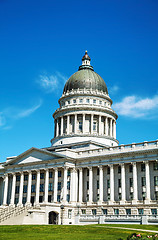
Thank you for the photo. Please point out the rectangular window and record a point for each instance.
(128, 211)
(119, 182)
(119, 196)
(68, 102)
(87, 185)
(155, 180)
(74, 100)
(41, 187)
(130, 168)
(140, 211)
(59, 173)
(143, 167)
(68, 185)
(25, 189)
(24, 200)
(87, 100)
(50, 174)
(58, 198)
(33, 176)
(83, 211)
(68, 197)
(155, 165)
(59, 186)
(49, 198)
(25, 177)
(108, 183)
(97, 184)
(69, 213)
(40, 199)
(94, 101)
(41, 175)
(17, 178)
(143, 181)
(104, 211)
(94, 211)
(68, 173)
(119, 169)
(17, 189)
(108, 196)
(94, 126)
(87, 199)
(80, 125)
(156, 195)
(131, 195)
(100, 102)
(116, 211)
(80, 100)
(154, 211)
(97, 197)
(50, 187)
(16, 200)
(33, 188)
(131, 182)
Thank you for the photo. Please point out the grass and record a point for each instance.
(87, 232)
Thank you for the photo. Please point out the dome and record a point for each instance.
(85, 78)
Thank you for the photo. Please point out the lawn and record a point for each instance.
(69, 232)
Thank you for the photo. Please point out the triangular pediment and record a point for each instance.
(34, 155)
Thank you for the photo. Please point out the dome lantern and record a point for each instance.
(86, 59)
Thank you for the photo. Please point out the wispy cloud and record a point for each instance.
(114, 89)
(51, 83)
(137, 107)
(11, 114)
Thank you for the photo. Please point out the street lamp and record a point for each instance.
(62, 208)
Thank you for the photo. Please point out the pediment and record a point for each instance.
(34, 155)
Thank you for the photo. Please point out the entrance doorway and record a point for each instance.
(53, 218)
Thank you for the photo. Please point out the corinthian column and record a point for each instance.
(80, 185)
(61, 126)
(147, 173)
(92, 116)
(68, 124)
(55, 184)
(21, 188)
(90, 185)
(100, 184)
(5, 189)
(83, 128)
(111, 183)
(135, 186)
(37, 187)
(29, 188)
(123, 190)
(46, 185)
(65, 184)
(13, 190)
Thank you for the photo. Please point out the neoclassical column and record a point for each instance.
(123, 185)
(90, 184)
(111, 183)
(21, 188)
(5, 189)
(135, 186)
(68, 124)
(13, 189)
(100, 184)
(92, 116)
(83, 127)
(61, 126)
(29, 187)
(147, 174)
(46, 185)
(114, 129)
(100, 132)
(75, 124)
(65, 184)
(55, 183)
(80, 185)
(73, 184)
(57, 128)
(106, 126)
(37, 186)
(110, 127)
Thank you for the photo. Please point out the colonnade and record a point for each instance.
(104, 125)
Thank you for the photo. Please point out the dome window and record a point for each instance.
(68, 102)
(74, 101)
(87, 100)
(100, 102)
(94, 101)
(81, 101)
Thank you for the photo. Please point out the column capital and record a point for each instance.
(90, 168)
(80, 169)
(55, 169)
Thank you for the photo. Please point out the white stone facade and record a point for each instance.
(85, 176)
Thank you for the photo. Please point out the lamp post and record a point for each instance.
(62, 208)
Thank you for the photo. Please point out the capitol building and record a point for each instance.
(85, 176)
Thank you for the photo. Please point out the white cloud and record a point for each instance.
(137, 107)
(52, 83)
(114, 89)
(29, 111)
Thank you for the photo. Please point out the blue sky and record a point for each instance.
(41, 46)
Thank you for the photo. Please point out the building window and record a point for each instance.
(94, 126)
(87, 185)
(154, 211)
(128, 211)
(119, 182)
(58, 198)
(108, 170)
(68, 185)
(155, 180)
(131, 195)
(155, 165)
(41, 187)
(33, 176)
(80, 125)
(100, 102)
(143, 167)
(140, 211)
(69, 213)
(119, 169)
(108, 196)
(97, 184)
(68, 197)
(59, 173)
(24, 200)
(83, 211)
(74, 100)
(87, 100)
(25, 177)
(143, 181)
(87, 172)
(17, 178)
(94, 101)
(68, 173)
(40, 199)
(116, 211)
(16, 200)
(143, 195)
(104, 211)
(68, 102)
(130, 168)
(131, 182)
(50, 187)
(119, 196)
(41, 175)
(49, 198)
(87, 199)
(50, 174)
(97, 197)
(17, 189)
(80, 100)
(156, 195)
(25, 189)
(59, 186)
(97, 171)
(108, 183)
(33, 188)
(94, 211)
